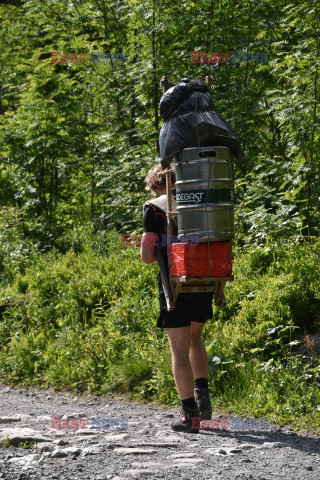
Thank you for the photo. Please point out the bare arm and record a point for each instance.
(148, 247)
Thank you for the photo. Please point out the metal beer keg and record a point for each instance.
(204, 185)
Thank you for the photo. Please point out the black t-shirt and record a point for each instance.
(189, 306)
(155, 220)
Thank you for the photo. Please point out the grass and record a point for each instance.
(85, 320)
(26, 445)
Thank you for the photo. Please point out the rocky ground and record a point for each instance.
(100, 438)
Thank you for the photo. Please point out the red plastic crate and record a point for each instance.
(201, 260)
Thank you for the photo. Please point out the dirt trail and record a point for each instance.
(103, 438)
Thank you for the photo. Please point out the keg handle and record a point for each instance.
(207, 153)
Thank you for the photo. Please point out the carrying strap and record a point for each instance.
(161, 203)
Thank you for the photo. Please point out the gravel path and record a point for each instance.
(104, 438)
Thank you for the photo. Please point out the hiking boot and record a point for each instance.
(189, 422)
(202, 398)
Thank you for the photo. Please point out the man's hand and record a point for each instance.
(148, 246)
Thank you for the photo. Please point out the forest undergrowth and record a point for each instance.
(82, 317)
(79, 130)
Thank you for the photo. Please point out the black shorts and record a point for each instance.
(190, 307)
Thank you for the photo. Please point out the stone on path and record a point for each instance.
(10, 419)
(6, 390)
(60, 442)
(116, 437)
(215, 451)
(246, 446)
(159, 444)
(189, 460)
(169, 438)
(139, 473)
(18, 435)
(273, 445)
(134, 451)
(234, 450)
(148, 464)
(83, 431)
(184, 455)
(45, 447)
(58, 453)
(94, 450)
(44, 418)
(72, 450)
(25, 461)
(185, 464)
(87, 439)
(74, 415)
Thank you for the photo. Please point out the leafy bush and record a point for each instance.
(87, 321)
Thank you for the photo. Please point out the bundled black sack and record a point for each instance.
(191, 121)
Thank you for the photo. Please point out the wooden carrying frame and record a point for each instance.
(185, 284)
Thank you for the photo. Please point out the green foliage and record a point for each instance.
(6, 443)
(275, 284)
(77, 139)
(130, 376)
(87, 321)
(26, 445)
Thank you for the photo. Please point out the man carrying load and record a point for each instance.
(185, 323)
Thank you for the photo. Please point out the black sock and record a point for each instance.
(189, 402)
(201, 383)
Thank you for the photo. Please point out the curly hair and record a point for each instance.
(156, 178)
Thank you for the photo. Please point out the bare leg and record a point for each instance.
(198, 354)
(199, 363)
(179, 339)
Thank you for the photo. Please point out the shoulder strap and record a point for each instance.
(161, 203)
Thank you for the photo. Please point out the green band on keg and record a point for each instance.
(216, 195)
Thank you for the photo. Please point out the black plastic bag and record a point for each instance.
(191, 121)
(185, 98)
